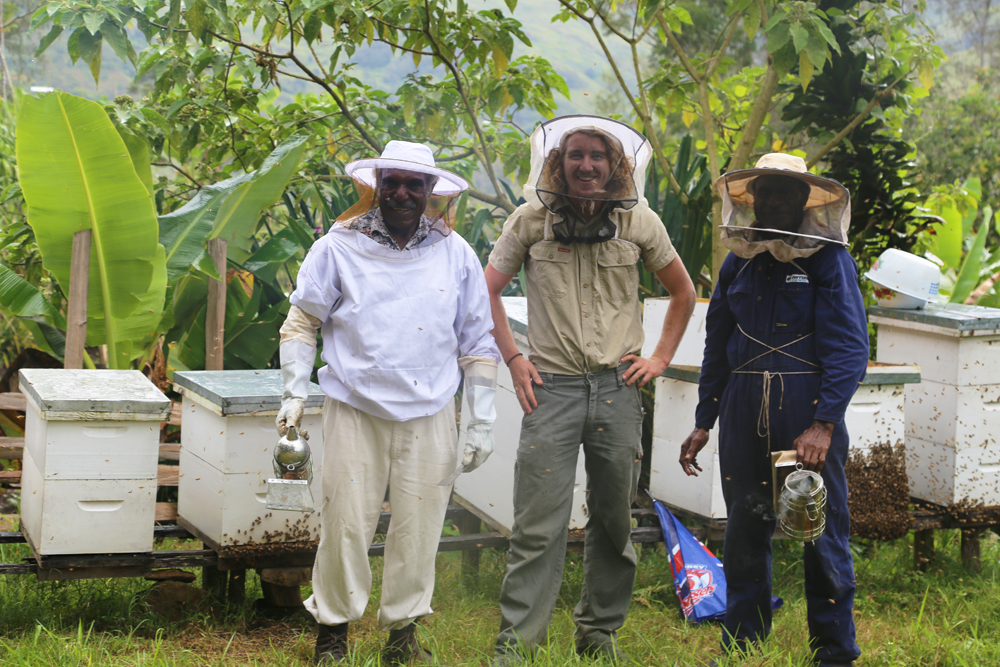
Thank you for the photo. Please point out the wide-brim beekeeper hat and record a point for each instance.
(630, 153)
(826, 218)
(410, 157)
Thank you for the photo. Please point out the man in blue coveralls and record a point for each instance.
(786, 346)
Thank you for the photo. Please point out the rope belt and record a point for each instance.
(764, 417)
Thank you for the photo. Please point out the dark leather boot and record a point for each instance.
(402, 647)
(331, 644)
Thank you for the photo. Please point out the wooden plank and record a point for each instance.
(167, 475)
(10, 400)
(170, 452)
(215, 314)
(176, 412)
(11, 449)
(76, 312)
(166, 512)
(10, 476)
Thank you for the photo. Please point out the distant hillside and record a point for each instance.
(570, 47)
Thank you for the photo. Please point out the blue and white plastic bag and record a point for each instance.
(699, 580)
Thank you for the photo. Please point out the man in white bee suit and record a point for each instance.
(404, 310)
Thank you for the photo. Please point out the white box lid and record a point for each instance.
(241, 392)
(68, 394)
(957, 317)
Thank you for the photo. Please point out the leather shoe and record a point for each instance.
(331, 644)
(402, 647)
(605, 651)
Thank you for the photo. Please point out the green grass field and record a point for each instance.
(943, 617)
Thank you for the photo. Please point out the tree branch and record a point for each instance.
(717, 58)
(830, 145)
(678, 49)
(179, 170)
(761, 105)
(505, 203)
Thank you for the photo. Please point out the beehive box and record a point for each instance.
(952, 343)
(875, 415)
(228, 436)
(952, 416)
(490, 488)
(692, 346)
(89, 471)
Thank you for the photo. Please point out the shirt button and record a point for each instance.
(586, 256)
(585, 284)
(589, 344)
(551, 255)
(759, 298)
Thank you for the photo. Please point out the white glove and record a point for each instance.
(480, 390)
(295, 374)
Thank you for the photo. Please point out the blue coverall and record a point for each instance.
(813, 311)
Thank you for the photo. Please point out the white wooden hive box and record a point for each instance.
(952, 343)
(490, 488)
(874, 416)
(91, 448)
(228, 435)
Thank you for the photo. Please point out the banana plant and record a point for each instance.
(77, 173)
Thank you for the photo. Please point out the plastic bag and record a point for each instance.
(699, 580)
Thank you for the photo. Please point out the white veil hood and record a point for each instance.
(826, 219)
(549, 135)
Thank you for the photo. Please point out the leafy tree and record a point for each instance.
(734, 104)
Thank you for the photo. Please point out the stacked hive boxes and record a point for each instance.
(92, 442)
(874, 416)
(228, 435)
(490, 488)
(953, 415)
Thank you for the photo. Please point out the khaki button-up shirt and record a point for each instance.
(583, 299)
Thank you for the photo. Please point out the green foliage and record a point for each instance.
(76, 174)
(959, 135)
(874, 162)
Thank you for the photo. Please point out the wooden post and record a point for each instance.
(76, 313)
(213, 581)
(237, 587)
(970, 549)
(470, 524)
(215, 314)
(923, 549)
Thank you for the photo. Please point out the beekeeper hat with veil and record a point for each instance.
(825, 218)
(584, 218)
(408, 156)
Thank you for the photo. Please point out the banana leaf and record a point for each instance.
(968, 277)
(21, 298)
(237, 219)
(229, 209)
(77, 173)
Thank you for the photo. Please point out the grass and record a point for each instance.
(945, 617)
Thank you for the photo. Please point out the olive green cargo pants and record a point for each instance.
(602, 412)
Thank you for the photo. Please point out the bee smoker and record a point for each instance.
(802, 505)
(293, 471)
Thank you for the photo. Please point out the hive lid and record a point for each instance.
(517, 313)
(93, 394)
(241, 392)
(878, 374)
(955, 316)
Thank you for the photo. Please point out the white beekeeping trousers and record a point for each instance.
(362, 454)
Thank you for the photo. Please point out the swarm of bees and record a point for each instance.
(293, 538)
(879, 492)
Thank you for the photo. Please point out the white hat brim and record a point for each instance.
(447, 183)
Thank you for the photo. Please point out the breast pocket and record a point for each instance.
(738, 298)
(617, 265)
(551, 268)
(795, 310)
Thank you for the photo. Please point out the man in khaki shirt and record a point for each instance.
(580, 237)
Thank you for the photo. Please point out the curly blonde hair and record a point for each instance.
(619, 185)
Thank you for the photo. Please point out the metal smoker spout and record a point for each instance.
(293, 474)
